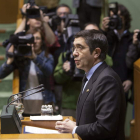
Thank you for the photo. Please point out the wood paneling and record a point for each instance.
(8, 11)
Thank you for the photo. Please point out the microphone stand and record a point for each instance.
(25, 91)
(40, 90)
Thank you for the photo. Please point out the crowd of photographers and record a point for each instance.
(41, 49)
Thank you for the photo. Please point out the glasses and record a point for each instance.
(78, 48)
(37, 38)
(62, 13)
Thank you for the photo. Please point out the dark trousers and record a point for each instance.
(88, 14)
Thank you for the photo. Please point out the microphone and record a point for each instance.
(41, 85)
(40, 90)
(9, 116)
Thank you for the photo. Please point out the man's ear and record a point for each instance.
(97, 52)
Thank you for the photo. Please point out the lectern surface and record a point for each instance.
(42, 124)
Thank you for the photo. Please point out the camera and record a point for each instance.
(20, 41)
(71, 28)
(33, 12)
(115, 20)
(138, 36)
(54, 20)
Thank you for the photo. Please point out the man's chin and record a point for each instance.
(78, 66)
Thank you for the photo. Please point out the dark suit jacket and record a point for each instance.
(101, 107)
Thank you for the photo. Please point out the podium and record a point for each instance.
(135, 124)
(41, 124)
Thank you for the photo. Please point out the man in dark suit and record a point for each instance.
(101, 103)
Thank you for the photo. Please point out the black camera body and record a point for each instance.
(115, 20)
(20, 42)
(138, 36)
(71, 26)
(74, 72)
(54, 20)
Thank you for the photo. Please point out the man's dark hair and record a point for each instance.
(125, 13)
(94, 39)
(64, 5)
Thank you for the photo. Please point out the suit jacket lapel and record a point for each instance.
(86, 92)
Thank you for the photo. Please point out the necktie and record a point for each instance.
(83, 82)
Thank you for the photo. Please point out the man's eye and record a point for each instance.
(80, 47)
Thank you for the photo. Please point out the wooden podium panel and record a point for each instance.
(41, 124)
(136, 125)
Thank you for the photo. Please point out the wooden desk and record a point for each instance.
(42, 124)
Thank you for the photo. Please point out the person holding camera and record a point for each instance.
(34, 69)
(134, 50)
(62, 11)
(70, 88)
(37, 20)
(116, 28)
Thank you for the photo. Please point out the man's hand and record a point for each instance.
(65, 126)
(127, 85)
(135, 39)
(105, 23)
(66, 66)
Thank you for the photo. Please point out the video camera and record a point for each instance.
(33, 12)
(71, 26)
(20, 41)
(54, 20)
(115, 20)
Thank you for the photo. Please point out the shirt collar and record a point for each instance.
(120, 36)
(92, 70)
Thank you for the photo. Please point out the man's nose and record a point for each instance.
(75, 53)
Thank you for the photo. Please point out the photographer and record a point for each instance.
(71, 87)
(62, 11)
(37, 20)
(116, 28)
(34, 69)
(134, 50)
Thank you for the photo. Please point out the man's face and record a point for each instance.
(34, 22)
(62, 11)
(83, 58)
(37, 42)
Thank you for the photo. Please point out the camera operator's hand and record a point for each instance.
(127, 85)
(25, 6)
(66, 66)
(105, 23)
(135, 39)
(10, 59)
(44, 18)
